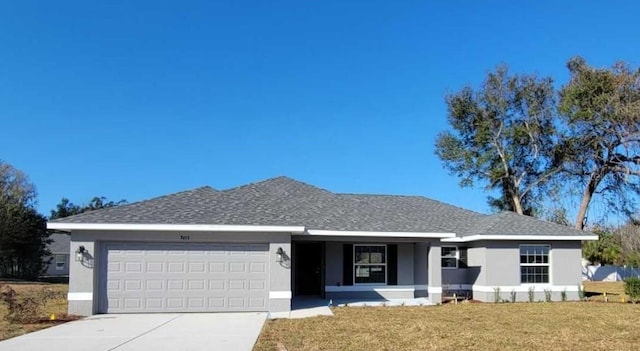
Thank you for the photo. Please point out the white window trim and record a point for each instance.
(354, 264)
(457, 256)
(520, 264)
(63, 262)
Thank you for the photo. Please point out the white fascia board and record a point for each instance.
(177, 227)
(377, 234)
(469, 238)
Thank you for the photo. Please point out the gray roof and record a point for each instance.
(60, 243)
(284, 201)
(510, 223)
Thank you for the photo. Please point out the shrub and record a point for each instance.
(532, 294)
(496, 295)
(632, 288)
(547, 295)
(513, 296)
(581, 292)
(563, 295)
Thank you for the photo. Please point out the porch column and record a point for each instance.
(280, 274)
(434, 268)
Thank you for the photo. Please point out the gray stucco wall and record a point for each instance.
(502, 262)
(434, 272)
(500, 267)
(566, 263)
(333, 266)
(86, 277)
(405, 264)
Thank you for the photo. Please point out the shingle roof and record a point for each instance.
(284, 201)
(509, 223)
(60, 243)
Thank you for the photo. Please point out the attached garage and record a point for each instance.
(184, 277)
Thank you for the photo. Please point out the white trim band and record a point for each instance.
(526, 287)
(80, 296)
(469, 238)
(280, 294)
(509, 288)
(361, 288)
(378, 234)
(434, 290)
(177, 227)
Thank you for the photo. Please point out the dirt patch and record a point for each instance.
(55, 303)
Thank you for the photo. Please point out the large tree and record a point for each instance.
(23, 234)
(502, 135)
(601, 145)
(67, 208)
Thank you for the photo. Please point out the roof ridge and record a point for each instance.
(269, 180)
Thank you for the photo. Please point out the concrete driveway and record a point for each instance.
(179, 331)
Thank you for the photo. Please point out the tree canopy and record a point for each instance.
(600, 148)
(520, 137)
(502, 135)
(66, 208)
(23, 234)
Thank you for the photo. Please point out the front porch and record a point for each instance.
(365, 271)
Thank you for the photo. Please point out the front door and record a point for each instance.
(308, 268)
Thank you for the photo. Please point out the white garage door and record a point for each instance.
(177, 277)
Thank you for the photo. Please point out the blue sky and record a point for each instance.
(132, 100)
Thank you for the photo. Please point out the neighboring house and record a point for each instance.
(59, 259)
(257, 246)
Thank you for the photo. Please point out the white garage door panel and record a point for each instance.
(145, 277)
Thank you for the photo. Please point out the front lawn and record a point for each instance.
(476, 326)
(34, 319)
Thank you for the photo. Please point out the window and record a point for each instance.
(534, 264)
(449, 257)
(61, 261)
(462, 257)
(370, 264)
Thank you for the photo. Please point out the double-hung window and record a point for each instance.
(454, 257)
(370, 264)
(61, 261)
(534, 264)
(449, 257)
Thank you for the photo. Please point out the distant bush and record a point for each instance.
(547, 295)
(513, 296)
(531, 293)
(632, 288)
(563, 295)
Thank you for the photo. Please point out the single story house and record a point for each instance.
(257, 246)
(58, 261)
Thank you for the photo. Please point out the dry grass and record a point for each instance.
(57, 306)
(483, 326)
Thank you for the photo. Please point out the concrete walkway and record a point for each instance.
(142, 332)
